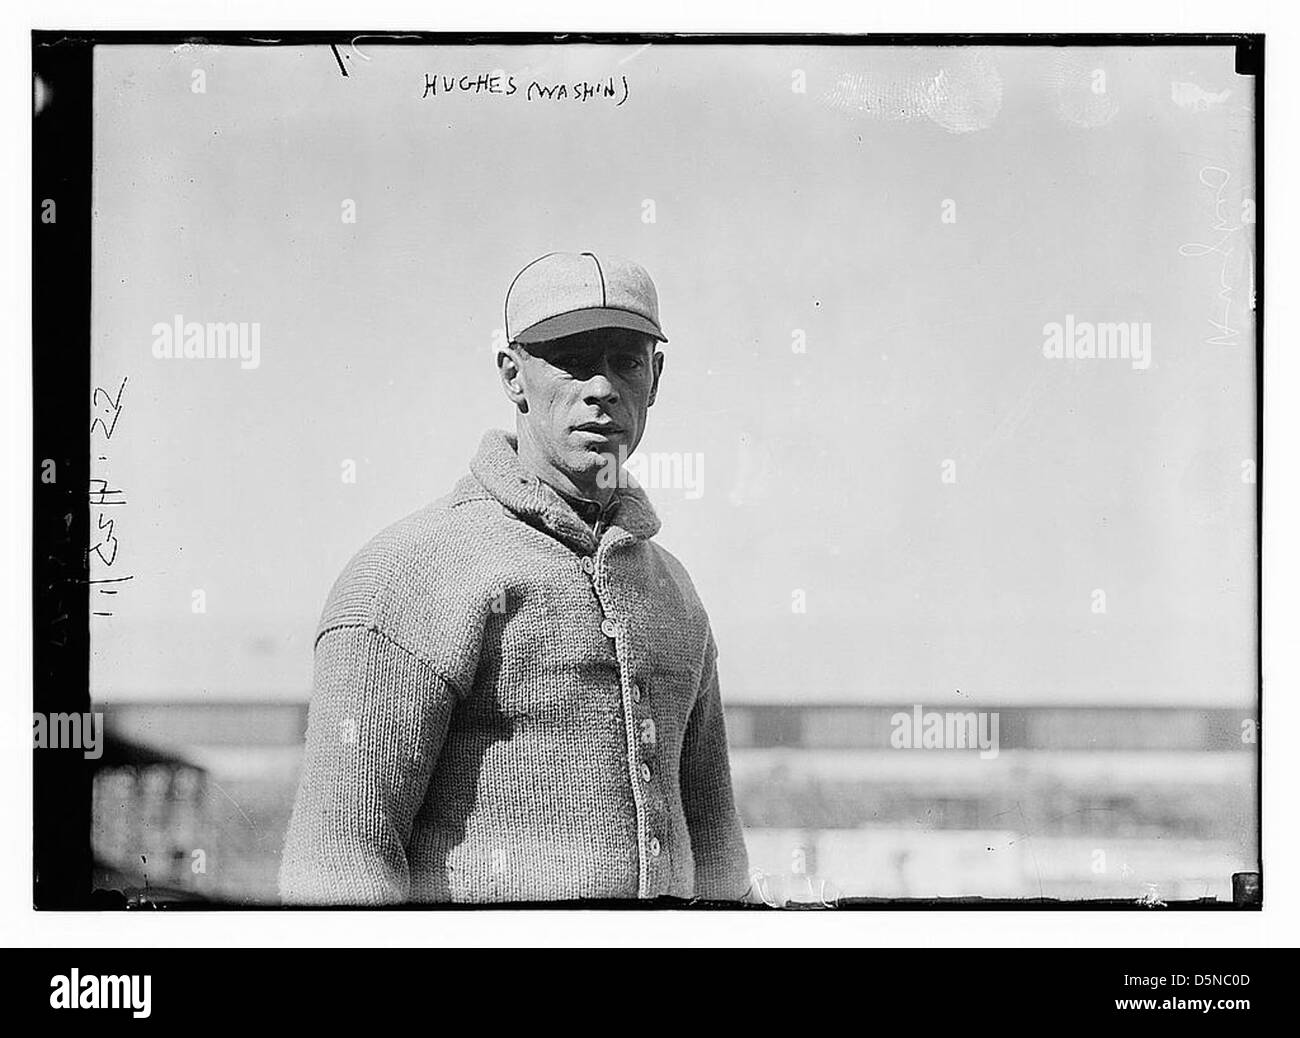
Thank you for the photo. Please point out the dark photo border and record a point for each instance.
(62, 155)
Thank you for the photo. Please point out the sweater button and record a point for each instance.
(654, 846)
(645, 772)
(609, 628)
(588, 565)
(636, 693)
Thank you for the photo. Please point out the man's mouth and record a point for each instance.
(600, 428)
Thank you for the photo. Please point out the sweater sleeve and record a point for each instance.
(717, 844)
(375, 728)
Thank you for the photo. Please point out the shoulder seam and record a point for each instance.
(375, 628)
(470, 500)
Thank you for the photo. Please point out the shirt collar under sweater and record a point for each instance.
(497, 469)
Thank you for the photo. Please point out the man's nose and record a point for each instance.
(600, 386)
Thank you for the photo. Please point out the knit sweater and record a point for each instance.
(506, 710)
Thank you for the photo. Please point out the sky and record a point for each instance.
(859, 253)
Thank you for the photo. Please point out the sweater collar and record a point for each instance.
(497, 468)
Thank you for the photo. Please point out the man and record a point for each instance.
(516, 690)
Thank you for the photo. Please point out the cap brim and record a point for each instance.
(576, 321)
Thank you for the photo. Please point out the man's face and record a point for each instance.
(586, 396)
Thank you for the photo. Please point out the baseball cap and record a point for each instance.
(563, 293)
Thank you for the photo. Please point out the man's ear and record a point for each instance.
(511, 371)
(658, 363)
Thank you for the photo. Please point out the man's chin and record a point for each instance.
(591, 458)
